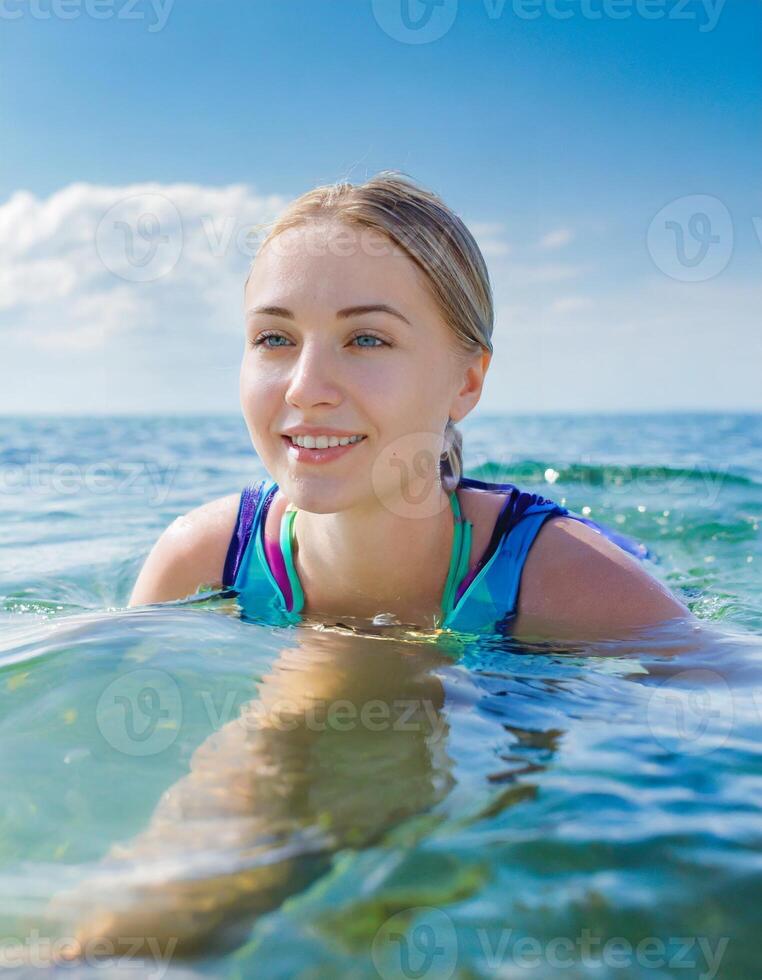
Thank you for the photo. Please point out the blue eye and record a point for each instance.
(370, 336)
(260, 341)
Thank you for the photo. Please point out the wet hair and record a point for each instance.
(435, 239)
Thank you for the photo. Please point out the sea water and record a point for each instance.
(323, 802)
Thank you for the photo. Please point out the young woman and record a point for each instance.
(369, 319)
(369, 322)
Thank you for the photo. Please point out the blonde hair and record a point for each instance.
(435, 239)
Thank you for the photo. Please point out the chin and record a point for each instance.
(320, 493)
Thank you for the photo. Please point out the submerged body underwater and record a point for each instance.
(307, 801)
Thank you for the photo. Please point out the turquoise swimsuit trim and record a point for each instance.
(459, 559)
(488, 603)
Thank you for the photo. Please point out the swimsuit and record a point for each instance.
(261, 573)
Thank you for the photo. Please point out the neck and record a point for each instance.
(360, 562)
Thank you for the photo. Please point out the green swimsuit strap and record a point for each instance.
(286, 541)
(461, 551)
(459, 556)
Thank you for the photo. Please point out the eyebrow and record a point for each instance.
(340, 315)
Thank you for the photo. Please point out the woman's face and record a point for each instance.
(392, 378)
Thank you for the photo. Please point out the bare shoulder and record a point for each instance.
(576, 582)
(190, 552)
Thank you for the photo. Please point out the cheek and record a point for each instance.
(401, 391)
(253, 379)
(258, 397)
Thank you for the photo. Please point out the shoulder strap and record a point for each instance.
(523, 534)
(518, 505)
(242, 532)
(519, 540)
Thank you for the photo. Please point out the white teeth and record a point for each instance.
(323, 442)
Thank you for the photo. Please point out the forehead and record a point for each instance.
(323, 260)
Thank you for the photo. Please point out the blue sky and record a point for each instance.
(575, 148)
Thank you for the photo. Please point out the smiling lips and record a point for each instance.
(323, 441)
(321, 448)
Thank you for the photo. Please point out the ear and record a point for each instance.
(474, 372)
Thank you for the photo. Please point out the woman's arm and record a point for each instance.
(189, 553)
(271, 795)
(576, 584)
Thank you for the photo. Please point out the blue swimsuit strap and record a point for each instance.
(247, 507)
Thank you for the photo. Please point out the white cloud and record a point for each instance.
(489, 237)
(570, 304)
(556, 238)
(86, 263)
(91, 263)
(76, 320)
(531, 274)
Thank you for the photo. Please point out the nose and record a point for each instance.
(313, 378)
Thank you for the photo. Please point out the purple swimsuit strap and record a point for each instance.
(275, 559)
(246, 509)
